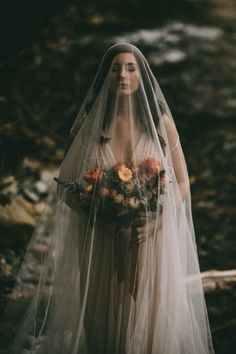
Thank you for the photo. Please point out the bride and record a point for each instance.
(121, 275)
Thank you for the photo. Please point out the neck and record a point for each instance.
(125, 113)
(126, 106)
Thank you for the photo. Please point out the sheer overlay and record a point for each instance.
(121, 274)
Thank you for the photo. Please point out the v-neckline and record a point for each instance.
(131, 156)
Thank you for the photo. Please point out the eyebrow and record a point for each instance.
(130, 63)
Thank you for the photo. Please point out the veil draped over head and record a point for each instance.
(121, 272)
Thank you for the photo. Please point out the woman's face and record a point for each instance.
(124, 74)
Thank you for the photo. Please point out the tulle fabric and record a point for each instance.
(97, 289)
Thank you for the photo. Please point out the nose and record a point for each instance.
(122, 72)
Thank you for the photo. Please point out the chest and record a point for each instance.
(122, 149)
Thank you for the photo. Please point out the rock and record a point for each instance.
(41, 187)
(17, 221)
(39, 208)
(6, 181)
(31, 163)
(30, 196)
(47, 175)
(5, 267)
(18, 212)
(8, 187)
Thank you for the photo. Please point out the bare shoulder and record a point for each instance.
(169, 123)
(171, 131)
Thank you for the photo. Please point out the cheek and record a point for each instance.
(135, 81)
(112, 77)
(113, 80)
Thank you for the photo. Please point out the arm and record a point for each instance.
(180, 173)
(73, 134)
(177, 156)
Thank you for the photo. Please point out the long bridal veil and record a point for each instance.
(121, 272)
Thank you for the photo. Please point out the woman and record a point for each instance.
(121, 274)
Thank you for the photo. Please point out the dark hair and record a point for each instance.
(148, 84)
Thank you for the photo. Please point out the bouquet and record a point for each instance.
(121, 192)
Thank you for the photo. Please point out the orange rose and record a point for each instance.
(93, 175)
(151, 165)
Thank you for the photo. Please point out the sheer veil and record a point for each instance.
(121, 272)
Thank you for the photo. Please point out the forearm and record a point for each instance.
(183, 189)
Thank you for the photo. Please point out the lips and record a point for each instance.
(122, 85)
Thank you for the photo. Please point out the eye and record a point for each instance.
(115, 68)
(131, 67)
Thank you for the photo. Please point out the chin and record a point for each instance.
(124, 92)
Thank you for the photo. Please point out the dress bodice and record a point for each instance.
(144, 148)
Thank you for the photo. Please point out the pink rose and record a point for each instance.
(104, 192)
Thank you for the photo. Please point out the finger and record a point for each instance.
(141, 240)
(139, 230)
(141, 237)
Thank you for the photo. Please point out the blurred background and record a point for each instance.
(49, 53)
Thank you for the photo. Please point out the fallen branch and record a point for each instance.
(214, 280)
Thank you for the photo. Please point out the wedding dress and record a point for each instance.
(121, 274)
(122, 308)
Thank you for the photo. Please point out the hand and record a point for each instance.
(144, 217)
(148, 230)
